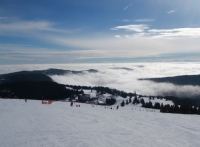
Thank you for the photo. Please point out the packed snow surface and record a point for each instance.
(31, 124)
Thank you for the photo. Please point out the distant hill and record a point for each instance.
(53, 71)
(37, 75)
(123, 68)
(178, 80)
(36, 84)
(35, 90)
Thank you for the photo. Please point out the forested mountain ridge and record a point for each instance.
(37, 75)
(35, 90)
(178, 80)
(36, 84)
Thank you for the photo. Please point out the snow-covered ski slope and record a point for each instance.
(32, 124)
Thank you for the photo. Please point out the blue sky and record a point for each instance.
(74, 31)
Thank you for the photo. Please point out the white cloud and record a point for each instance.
(126, 20)
(139, 20)
(117, 36)
(28, 27)
(175, 33)
(140, 41)
(127, 36)
(25, 26)
(129, 5)
(121, 79)
(144, 20)
(136, 28)
(125, 7)
(144, 30)
(127, 80)
(130, 47)
(171, 11)
(18, 48)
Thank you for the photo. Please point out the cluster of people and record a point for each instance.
(72, 103)
(112, 108)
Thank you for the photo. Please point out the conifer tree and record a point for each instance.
(161, 108)
(142, 101)
(130, 100)
(126, 102)
(135, 101)
(122, 104)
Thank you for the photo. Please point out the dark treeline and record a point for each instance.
(110, 101)
(31, 77)
(39, 90)
(182, 109)
(35, 90)
(181, 105)
(178, 80)
(184, 101)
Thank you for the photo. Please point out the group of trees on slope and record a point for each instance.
(53, 91)
(35, 90)
(182, 106)
(103, 90)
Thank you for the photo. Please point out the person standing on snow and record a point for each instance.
(117, 106)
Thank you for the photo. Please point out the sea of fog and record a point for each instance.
(123, 76)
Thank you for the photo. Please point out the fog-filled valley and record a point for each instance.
(122, 76)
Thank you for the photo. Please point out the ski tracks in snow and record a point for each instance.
(59, 125)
